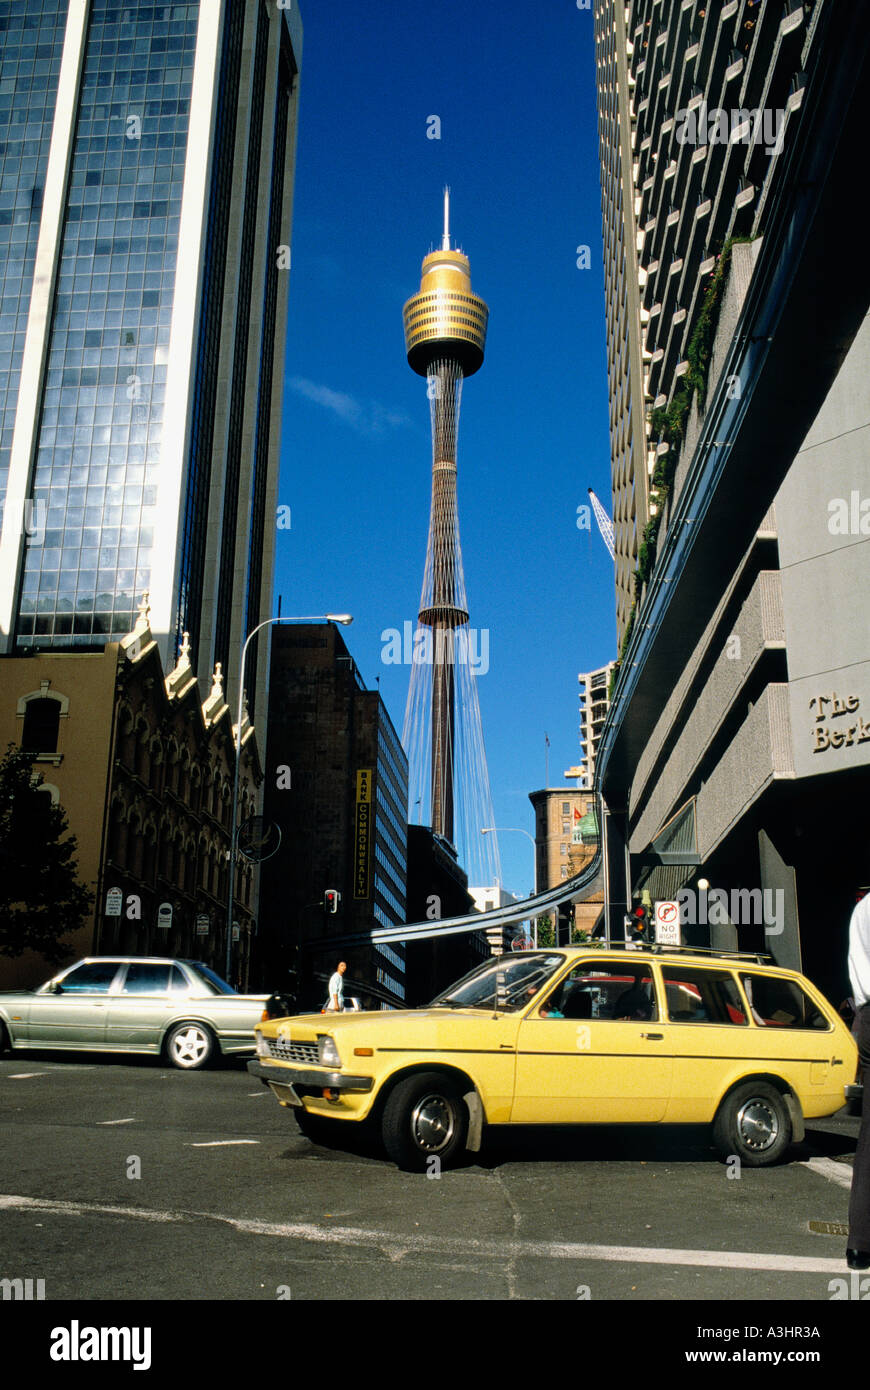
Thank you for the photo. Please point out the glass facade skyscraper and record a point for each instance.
(147, 171)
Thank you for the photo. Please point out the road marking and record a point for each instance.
(828, 1228)
(393, 1243)
(839, 1173)
(220, 1143)
(67, 1066)
(9, 1203)
(263, 1092)
(24, 1075)
(131, 1121)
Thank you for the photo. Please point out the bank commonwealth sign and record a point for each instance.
(362, 857)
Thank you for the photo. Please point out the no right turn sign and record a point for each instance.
(667, 923)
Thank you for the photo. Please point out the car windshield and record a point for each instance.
(507, 983)
(213, 983)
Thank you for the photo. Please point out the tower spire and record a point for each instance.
(445, 240)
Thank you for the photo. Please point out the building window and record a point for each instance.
(566, 808)
(41, 725)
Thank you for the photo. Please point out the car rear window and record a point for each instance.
(777, 1003)
(702, 996)
(146, 979)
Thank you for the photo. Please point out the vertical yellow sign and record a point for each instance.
(364, 831)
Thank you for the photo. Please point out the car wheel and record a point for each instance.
(4, 1039)
(753, 1123)
(189, 1046)
(425, 1118)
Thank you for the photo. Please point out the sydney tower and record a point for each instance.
(445, 333)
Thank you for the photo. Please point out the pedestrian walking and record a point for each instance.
(858, 1251)
(335, 999)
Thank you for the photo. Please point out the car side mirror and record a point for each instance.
(55, 987)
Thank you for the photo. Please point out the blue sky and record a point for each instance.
(513, 86)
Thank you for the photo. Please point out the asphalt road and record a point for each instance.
(127, 1180)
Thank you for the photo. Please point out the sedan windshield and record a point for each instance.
(508, 983)
(213, 983)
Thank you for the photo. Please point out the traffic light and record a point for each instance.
(638, 923)
(331, 899)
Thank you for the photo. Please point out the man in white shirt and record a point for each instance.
(858, 1252)
(335, 1002)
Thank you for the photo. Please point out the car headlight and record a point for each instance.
(262, 1044)
(327, 1052)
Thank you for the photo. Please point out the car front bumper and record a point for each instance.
(283, 1080)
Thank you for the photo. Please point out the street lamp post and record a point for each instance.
(344, 619)
(517, 830)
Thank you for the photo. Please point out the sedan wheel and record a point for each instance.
(189, 1046)
(753, 1124)
(425, 1119)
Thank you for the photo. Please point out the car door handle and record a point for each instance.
(653, 1037)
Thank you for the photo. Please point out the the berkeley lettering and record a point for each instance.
(833, 707)
(840, 738)
(847, 706)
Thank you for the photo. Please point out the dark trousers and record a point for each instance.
(859, 1202)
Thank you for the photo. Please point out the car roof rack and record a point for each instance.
(657, 948)
(651, 948)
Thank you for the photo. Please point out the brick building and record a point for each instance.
(565, 843)
(142, 767)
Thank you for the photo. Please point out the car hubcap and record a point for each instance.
(757, 1124)
(432, 1123)
(190, 1046)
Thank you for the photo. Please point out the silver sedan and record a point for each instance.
(147, 1004)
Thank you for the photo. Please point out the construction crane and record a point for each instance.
(605, 525)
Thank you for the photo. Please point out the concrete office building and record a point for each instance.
(337, 787)
(594, 704)
(737, 747)
(147, 156)
(490, 896)
(684, 166)
(625, 362)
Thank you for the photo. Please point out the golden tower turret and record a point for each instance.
(445, 319)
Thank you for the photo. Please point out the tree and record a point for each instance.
(546, 935)
(41, 899)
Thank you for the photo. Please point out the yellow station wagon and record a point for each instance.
(574, 1036)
